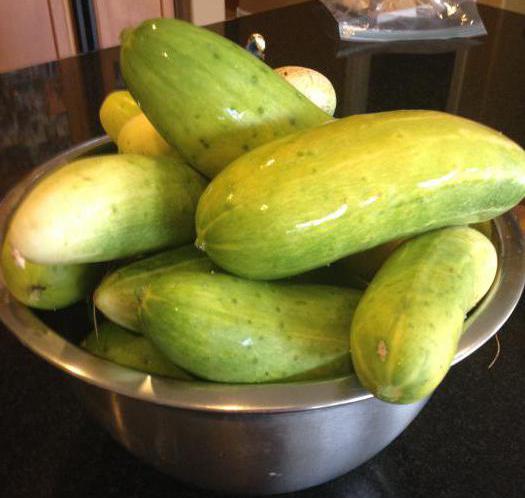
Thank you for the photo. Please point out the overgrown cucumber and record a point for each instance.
(406, 328)
(207, 96)
(48, 287)
(120, 346)
(107, 207)
(227, 329)
(116, 296)
(316, 196)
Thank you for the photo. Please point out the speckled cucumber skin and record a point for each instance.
(48, 287)
(406, 328)
(226, 329)
(207, 96)
(116, 296)
(316, 196)
(120, 346)
(107, 207)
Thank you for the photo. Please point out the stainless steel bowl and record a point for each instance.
(245, 438)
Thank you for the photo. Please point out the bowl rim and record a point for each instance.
(485, 321)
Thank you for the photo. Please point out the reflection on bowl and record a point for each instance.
(261, 439)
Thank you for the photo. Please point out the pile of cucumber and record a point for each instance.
(253, 237)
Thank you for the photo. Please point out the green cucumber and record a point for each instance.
(138, 136)
(48, 287)
(116, 296)
(120, 346)
(207, 96)
(116, 110)
(316, 196)
(107, 207)
(406, 328)
(227, 329)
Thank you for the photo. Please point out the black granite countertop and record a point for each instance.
(469, 441)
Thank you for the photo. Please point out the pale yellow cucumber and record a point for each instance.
(312, 84)
(116, 110)
(138, 136)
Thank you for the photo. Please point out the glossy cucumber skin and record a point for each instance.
(48, 287)
(207, 96)
(406, 328)
(107, 207)
(116, 110)
(116, 296)
(316, 196)
(116, 344)
(226, 329)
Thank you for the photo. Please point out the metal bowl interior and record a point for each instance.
(482, 324)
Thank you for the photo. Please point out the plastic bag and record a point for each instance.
(389, 20)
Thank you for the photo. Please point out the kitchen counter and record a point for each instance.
(469, 440)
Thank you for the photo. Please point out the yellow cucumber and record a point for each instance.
(138, 136)
(315, 86)
(116, 110)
